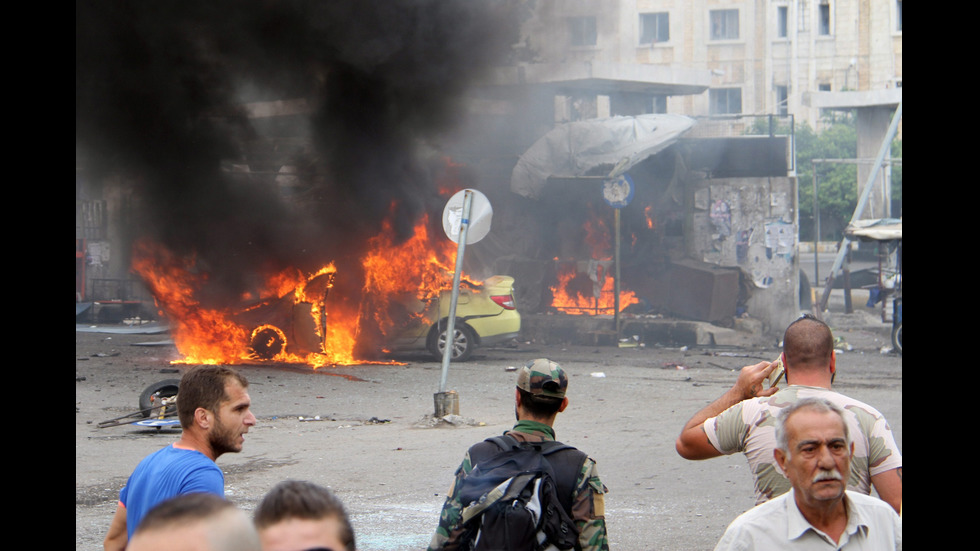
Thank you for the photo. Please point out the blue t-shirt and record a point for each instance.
(166, 473)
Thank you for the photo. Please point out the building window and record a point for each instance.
(823, 87)
(582, 30)
(782, 100)
(824, 17)
(654, 27)
(724, 24)
(725, 101)
(659, 104)
(782, 21)
(898, 15)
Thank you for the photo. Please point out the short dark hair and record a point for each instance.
(226, 527)
(539, 406)
(303, 500)
(807, 342)
(204, 387)
(193, 506)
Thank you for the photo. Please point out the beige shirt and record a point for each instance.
(872, 525)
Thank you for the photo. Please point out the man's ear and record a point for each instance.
(780, 456)
(203, 418)
(564, 404)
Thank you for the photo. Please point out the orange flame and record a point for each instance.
(290, 319)
(593, 291)
(432, 263)
(649, 218)
(598, 237)
(578, 294)
(201, 334)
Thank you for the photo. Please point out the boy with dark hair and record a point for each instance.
(297, 514)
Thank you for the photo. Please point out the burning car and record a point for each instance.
(485, 314)
(396, 297)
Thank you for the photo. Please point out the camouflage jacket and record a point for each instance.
(749, 427)
(588, 506)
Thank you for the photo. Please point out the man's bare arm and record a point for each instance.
(889, 487)
(117, 537)
(693, 443)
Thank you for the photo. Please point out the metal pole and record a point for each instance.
(616, 171)
(816, 230)
(616, 300)
(451, 321)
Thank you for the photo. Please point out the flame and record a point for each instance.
(598, 237)
(649, 218)
(431, 261)
(578, 293)
(202, 335)
(291, 319)
(591, 291)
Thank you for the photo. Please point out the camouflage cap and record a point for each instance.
(543, 377)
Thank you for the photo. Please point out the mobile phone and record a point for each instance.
(777, 372)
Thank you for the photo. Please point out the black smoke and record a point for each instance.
(159, 89)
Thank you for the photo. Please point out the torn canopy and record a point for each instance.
(594, 148)
(881, 229)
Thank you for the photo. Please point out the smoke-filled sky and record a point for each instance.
(159, 87)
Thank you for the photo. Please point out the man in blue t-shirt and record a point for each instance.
(215, 413)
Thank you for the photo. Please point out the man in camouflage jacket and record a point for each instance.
(743, 419)
(540, 396)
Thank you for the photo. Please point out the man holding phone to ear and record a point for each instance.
(743, 418)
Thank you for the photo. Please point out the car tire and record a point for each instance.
(152, 394)
(267, 342)
(463, 343)
(897, 338)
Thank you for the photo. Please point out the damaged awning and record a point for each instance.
(881, 229)
(595, 148)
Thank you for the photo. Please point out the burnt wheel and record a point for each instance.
(151, 396)
(464, 341)
(267, 342)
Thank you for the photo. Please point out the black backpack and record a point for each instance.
(520, 498)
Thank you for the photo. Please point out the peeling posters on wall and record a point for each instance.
(780, 242)
(721, 218)
(780, 239)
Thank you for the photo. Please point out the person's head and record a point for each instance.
(541, 386)
(808, 347)
(195, 522)
(215, 400)
(298, 515)
(814, 449)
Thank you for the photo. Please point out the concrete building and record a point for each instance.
(783, 58)
(763, 56)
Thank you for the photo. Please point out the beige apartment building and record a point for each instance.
(754, 57)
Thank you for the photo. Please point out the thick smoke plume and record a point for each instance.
(159, 93)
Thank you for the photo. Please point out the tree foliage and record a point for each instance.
(837, 187)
